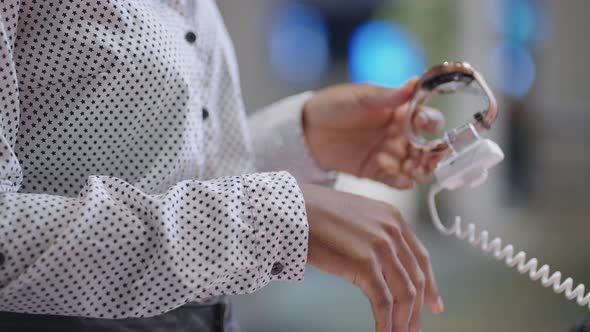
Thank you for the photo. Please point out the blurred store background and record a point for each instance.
(534, 53)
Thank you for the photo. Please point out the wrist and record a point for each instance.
(309, 195)
(312, 137)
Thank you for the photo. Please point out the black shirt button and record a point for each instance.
(1, 259)
(276, 269)
(190, 37)
(205, 113)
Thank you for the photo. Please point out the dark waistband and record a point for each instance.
(205, 317)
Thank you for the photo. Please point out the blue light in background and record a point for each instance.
(514, 69)
(385, 54)
(519, 21)
(298, 44)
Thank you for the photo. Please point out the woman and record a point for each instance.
(129, 197)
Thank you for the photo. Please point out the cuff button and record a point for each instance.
(276, 269)
(190, 37)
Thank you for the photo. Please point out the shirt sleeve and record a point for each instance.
(114, 251)
(279, 141)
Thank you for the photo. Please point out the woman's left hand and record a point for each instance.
(359, 129)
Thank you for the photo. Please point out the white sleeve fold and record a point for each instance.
(279, 141)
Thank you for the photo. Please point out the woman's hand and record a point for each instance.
(368, 243)
(358, 129)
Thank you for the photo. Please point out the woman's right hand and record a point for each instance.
(368, 243)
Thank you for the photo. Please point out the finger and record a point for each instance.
(421, 174)
(411, 169)
(401, 287)
(432, 162)
(410, 262)
(371, 168)
(428, 120)
(387, 164)
(394, 129)
(414, 152)
(423, 159)
(431, 293)
(377, 291)
(388, 172)
(397, 146)
(407, 167)
(380, 97)
(398, 181)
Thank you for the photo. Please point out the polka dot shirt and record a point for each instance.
(128, 182)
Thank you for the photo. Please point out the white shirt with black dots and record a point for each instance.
(127, 184)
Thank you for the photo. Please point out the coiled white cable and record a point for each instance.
(507, 254)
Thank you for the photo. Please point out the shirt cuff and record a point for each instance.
(280, 141)
(277, 211)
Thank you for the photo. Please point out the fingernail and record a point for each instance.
(408, 166)
(410, 85)
(412, 81)
(387, 162)
(439, 306)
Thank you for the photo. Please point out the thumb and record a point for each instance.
(381, 97)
